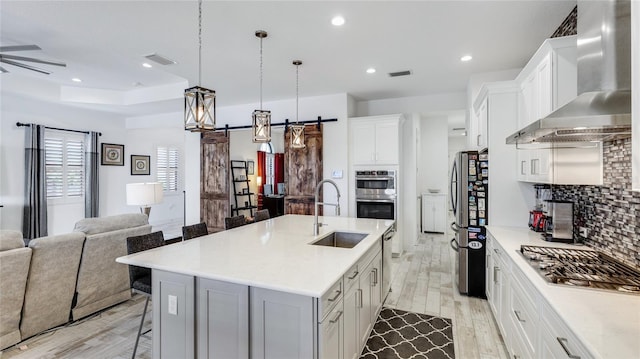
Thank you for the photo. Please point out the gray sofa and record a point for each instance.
(14, 269)
(63, 277)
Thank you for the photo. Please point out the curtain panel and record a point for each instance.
(34, 219)
(91, 178)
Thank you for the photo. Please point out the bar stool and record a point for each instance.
(140, 277)
(233, 222)
(194, 230)
(261, 215)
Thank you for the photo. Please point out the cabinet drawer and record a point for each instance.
(351, 276)
(330, 298)
(556, 340)
(524, 315)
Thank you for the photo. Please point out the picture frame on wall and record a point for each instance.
(112, 154)
(250, 167)
(140, 165)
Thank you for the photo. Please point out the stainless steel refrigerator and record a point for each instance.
(469, 201)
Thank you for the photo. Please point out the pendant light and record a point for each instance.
(261, 123)
(199, 102)
(297, 130)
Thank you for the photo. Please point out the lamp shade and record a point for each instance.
(144, 194)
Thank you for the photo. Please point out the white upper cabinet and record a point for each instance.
(374, 140)
(549, 80)
(635, 91)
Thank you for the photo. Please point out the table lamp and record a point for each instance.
(144, 195)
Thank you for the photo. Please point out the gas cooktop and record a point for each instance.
(582, 268)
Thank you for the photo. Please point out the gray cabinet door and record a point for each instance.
(376, 287)
(223, 319)
(283, 325)
(364, 320)
(350, 322)
(173, 315)
(332, 334)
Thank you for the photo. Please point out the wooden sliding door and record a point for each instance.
(214, 180)
(303, 171)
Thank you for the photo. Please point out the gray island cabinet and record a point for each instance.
(281, 297)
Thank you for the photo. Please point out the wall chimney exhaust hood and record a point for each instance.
(602, 110)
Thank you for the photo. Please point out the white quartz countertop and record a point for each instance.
(272, 254)
(607, 323)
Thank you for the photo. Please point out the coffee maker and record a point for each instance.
(537, 216)
(558, 223)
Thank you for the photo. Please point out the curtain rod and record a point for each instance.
(286, 124)
(54, 128)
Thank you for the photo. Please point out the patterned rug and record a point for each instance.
(401, 334)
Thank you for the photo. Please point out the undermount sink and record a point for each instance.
(341, 239)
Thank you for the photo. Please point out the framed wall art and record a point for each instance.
(112, 154)
(140, 165)
(250, 167)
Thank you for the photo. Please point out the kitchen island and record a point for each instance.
(542, 319)
(263, 290)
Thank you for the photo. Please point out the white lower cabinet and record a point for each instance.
(556, 341)
(529, 327)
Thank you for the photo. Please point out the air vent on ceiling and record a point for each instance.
(160, 59)
(400, 73)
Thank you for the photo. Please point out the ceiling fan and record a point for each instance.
(13, 60)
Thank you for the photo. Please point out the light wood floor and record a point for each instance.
(422, 282)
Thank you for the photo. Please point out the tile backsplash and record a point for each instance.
(611, 212)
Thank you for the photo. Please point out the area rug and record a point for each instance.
(401, 334)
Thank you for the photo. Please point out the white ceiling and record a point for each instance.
(103, 43)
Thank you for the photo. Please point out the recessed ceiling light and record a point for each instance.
(75, 79)
(337, 21)
(466, 58)
(147, 65)
(371, 70)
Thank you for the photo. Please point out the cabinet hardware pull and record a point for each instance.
(523, 165)
(338, 292)
(486, 262)
(355, 274)
(478, 140)
(360, 305)
(335, 319)
(375, 277)
(495, 274)
(517, 313)
(496, 250)
(563, 343)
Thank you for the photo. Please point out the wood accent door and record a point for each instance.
(214, 180)
(303, 171)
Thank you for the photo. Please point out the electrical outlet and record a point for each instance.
(584, 232)
(172, 305)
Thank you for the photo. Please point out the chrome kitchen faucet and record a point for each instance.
(316, 225)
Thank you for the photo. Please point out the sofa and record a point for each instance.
(63, 277)
(14, 269)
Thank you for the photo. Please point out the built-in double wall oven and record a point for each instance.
(376, 194)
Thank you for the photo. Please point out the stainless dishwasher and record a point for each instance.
(386, 259)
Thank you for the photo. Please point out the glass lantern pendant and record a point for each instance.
(199, 102)
(261, 123)
(261, 126)
(297, 130)
(297, 136)
(199, 109)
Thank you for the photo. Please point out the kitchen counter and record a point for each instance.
(607, 323)
(273, 254)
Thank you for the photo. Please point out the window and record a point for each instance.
(64, 165)
(167, 168)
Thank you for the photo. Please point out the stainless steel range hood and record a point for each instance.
(602, 110)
